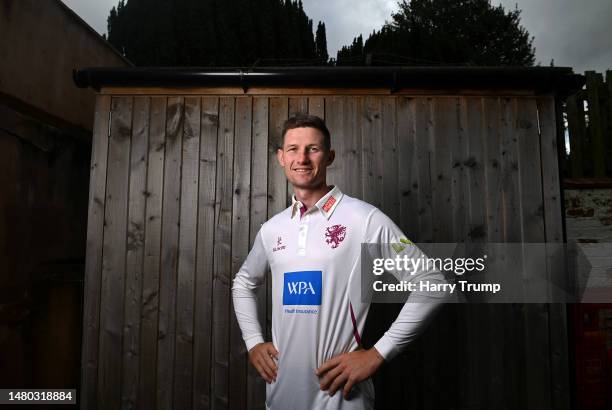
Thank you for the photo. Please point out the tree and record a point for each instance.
(353, 54)
(449, 32)
(321, 42)
(212, 32)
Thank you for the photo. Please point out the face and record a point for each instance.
(304, 158)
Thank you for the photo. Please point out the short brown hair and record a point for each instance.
(308, 121)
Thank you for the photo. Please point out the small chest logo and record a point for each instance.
(334, 235)
(279, 245)
(302, 288)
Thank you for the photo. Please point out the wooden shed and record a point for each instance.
(183, 172)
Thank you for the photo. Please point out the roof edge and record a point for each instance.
(560, 80)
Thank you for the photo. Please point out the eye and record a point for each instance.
(290, 149)
(314, 149)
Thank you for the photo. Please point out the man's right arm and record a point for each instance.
(250, 276)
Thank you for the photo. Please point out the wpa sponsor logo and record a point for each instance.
(302, 288)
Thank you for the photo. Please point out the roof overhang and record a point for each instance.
(557, 80)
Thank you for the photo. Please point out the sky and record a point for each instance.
(574, 33)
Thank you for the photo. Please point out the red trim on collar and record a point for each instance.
(329, 203)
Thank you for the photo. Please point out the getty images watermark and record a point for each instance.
(477, 273)
(411, 265)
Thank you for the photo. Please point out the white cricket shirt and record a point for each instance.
(317, 311)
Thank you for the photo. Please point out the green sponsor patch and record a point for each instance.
(397, 247)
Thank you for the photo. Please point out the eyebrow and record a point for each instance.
(307, 146)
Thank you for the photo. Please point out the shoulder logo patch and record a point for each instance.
(398, 247)
(334, 235)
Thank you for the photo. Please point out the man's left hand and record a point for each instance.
(348, 369)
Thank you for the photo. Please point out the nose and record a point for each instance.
(303, 157)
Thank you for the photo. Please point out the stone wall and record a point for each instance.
(588, 215)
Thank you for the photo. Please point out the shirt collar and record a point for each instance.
(326, 205)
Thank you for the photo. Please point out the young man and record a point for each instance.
(313, 249)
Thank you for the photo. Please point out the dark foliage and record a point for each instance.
(449, 32)
(321, 42)
(215, 33)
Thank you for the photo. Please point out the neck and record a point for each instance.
(309, 197)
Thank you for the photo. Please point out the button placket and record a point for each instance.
(303, 235)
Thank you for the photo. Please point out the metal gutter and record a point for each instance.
(560, 80)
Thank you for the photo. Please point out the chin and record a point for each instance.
(305, 184)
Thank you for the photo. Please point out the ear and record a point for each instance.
(330, 157)
(280, 157)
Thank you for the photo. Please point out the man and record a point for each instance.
(313, 250)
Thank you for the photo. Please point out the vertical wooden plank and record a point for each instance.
(424, 132)
(152, 245)
(297, 105)
(559, 356)
(169, 252)
(135, 252)
(371, 142)
(202, 360)
(459, 188)
(93, 262)
(476, 333)
(512, 341)
(475, 164)
(277, 182)
(408, 167)
(334, 111)
(553, 214)
(493, 171)
(494, 333)
(530, 198)
(458, 314)
(256, 388)
(535, 339)
(222, 255)
(372, 172)
(408, 223)
(114, 249)
(551, 184)
(596, 130)
(608, 115)
(577, 132)
(352, 146)
(316, 106)
(443, 129)
(535, 325)
(188, 219)
(240, 243)
(609, 96)
(390, 193)
(537, 357)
